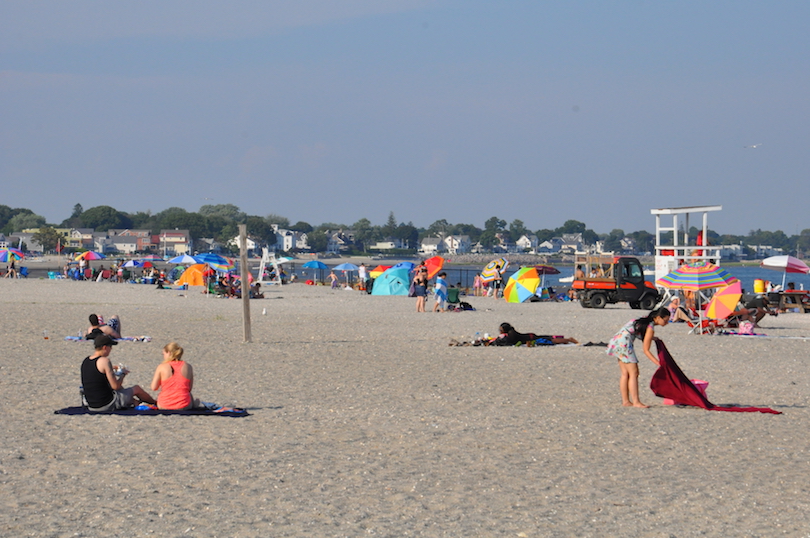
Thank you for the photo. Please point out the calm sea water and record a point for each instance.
(466, 273)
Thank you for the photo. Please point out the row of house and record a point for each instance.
(113, 241)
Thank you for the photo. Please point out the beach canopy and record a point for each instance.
(394, 281)
(192, 276)
(377, 271)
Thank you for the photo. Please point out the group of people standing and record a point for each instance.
(420, 289)
(103, 384)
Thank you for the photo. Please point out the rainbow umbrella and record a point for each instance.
(724, 301)
(488, 274)
(7, 254)
(521, 285)
(217, 262)
(696, 277)
(90, 255)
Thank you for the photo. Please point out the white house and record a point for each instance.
(431, 245)
(765, 251)
(527, 243)
(287, 240)
(250, 244)
(390, 244)
(457, 244)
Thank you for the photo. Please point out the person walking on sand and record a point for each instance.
(333, 277)
(621, 347)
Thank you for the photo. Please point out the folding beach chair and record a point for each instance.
(452, 295)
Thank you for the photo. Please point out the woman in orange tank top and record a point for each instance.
(175, 379)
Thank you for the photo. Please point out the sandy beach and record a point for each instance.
(364, 422)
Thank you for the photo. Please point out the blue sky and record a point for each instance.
(327, 111)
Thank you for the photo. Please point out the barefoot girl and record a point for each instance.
(621, 347)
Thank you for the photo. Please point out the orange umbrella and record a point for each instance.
(434, 265)
(724, 301)
(377, 271)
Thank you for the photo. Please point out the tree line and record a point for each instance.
(220, 222)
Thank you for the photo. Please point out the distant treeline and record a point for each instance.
(221, 221)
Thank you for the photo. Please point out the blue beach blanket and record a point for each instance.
(142, 411)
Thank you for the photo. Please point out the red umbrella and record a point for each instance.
(434, 265)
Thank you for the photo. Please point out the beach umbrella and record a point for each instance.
(183, 259)
(90, 255)
(696, 277)
(153, 257)
(346, 267)
(315, 264)
(434, 265)
(217, 262)
(786, 264)
(8, 254)
(488, 274)
(521, 285)
(132, 263)
(285, 259)
(544, 270)
(724, 301)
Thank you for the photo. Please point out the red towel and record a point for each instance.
(670, 382)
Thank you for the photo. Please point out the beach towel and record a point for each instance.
(670, 382)
(143, 410)
(441, 289)
(122, 339)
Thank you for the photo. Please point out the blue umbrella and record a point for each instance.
(133, 263)
(346, 267)
(183, 259)
(315, 264)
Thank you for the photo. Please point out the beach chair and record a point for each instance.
(23, 273)
(452, 296)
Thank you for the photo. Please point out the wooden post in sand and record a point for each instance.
(245, 276)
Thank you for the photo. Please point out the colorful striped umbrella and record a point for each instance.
(7, 254)
(521, 285)
(724, 301)
(696, 277)
(90, 255)
(488, 274)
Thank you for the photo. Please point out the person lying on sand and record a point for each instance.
(510, 337)
(97, 327)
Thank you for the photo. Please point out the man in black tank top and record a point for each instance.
(102, 389)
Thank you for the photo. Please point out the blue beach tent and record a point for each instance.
(394, 281)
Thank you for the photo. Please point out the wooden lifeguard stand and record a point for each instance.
(269, 258)
(683, 248)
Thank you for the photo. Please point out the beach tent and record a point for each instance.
(193, 276)
(394, 281)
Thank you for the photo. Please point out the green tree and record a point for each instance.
(301, 226)
(258, 228)
(23, 221)
(544, 234)
(517, 229)
(613, 240)
(317, 241)
(177, 218)
(363, 233)
(388, 228)
(102, 218)
(48, 237)
(77, 211)
(494, 224)
(283, 222)
(227, 211)
(571, 227)
(468, 229)
(488, 239)
(440, 228)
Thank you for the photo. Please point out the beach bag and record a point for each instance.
(746, 327)
(412, 290)
(465, 306)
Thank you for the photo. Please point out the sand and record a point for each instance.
(366, 423)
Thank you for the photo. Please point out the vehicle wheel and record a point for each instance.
(635, 305)
(584, 300)
(598, 300)
(648, 302)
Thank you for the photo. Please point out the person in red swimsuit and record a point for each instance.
(175, 379)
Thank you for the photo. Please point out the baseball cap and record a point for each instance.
(104, 340)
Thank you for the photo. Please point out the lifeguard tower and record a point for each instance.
(269, 260)
(683, 249)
